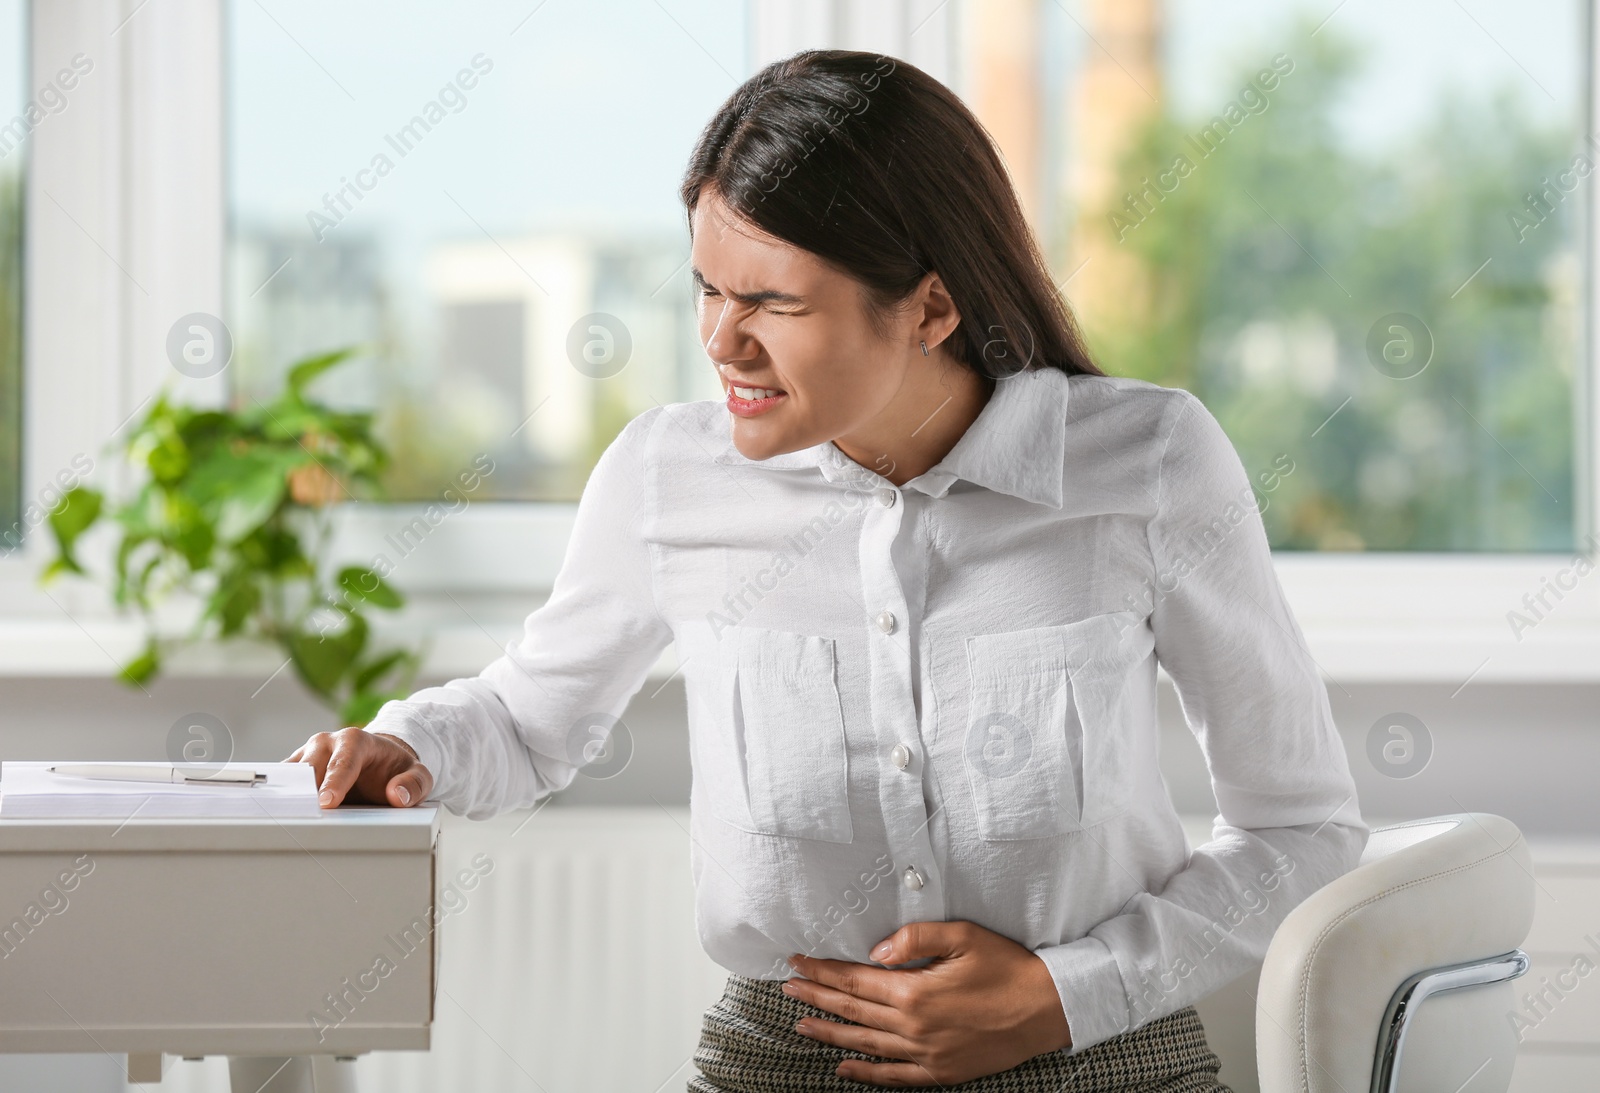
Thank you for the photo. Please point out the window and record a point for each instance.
(486, 197)
(14, 125)
(1354, 230)
(1452, 186)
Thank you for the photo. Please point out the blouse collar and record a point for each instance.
(1016, 446)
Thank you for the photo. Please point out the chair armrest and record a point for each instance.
(1444, 891)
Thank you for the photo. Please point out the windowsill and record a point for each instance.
(1424, 652)
(1368, 618)
(39, 648)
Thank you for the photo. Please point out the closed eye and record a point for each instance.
(763, 298)
(770, 310)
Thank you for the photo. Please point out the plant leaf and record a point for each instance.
(322, 659)
(364, 584)
(242, 489)
(59, 566)
(275, 550)
(141, 514)
(249, 508)
(139, 586)
(194, 539)
(204, 427)
(292, 421)
(309, 368)
(373, 670)
(142, 667)
(360, 708)
(80, 508)
(225, 466)
(168, 456)
(235, 599)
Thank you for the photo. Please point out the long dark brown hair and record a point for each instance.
(881, 171)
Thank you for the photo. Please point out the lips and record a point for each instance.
(750, 401)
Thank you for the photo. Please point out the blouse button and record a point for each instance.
(886, 498)
(912, 878)
(901, 756)
(886, 621)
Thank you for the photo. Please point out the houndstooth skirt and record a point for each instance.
(748, 1045)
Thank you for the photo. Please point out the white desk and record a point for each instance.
(259, 939)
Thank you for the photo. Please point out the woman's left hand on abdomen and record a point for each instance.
(982, 1004)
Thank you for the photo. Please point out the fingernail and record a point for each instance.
(787, 988)
(880, 950)
(403, 793)
(326, 798)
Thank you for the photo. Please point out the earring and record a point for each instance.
(924, 349)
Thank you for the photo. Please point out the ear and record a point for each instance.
(938, 316)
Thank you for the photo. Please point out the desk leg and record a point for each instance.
(290, 1074)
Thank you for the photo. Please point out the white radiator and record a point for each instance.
(573, 965)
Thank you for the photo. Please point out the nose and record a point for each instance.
(727, 342)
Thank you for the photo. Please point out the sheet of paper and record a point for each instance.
(32, 790)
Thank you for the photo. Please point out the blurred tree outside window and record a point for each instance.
(1353, 231)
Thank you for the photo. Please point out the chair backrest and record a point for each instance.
(1426, 895)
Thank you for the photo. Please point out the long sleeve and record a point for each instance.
(522, 727)
(1250, 692)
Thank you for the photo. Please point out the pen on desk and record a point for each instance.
(116, 772)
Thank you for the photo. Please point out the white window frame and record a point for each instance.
(126, 221)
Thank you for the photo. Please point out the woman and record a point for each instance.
(919, 569)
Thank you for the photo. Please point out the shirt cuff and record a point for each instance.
(1090, 985)
(392, 721)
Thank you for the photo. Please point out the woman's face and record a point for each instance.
(789, 335)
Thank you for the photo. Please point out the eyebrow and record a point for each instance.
(760, 296)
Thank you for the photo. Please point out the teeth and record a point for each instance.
(755, 392)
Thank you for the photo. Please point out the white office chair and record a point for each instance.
(1397, 977)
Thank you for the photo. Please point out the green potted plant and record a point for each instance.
(234, 510)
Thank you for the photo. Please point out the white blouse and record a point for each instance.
(937, 701)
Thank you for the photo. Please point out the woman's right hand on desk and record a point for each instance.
(367, 768)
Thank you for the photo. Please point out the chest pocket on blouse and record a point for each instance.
(1046, 748)
(791, 725)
